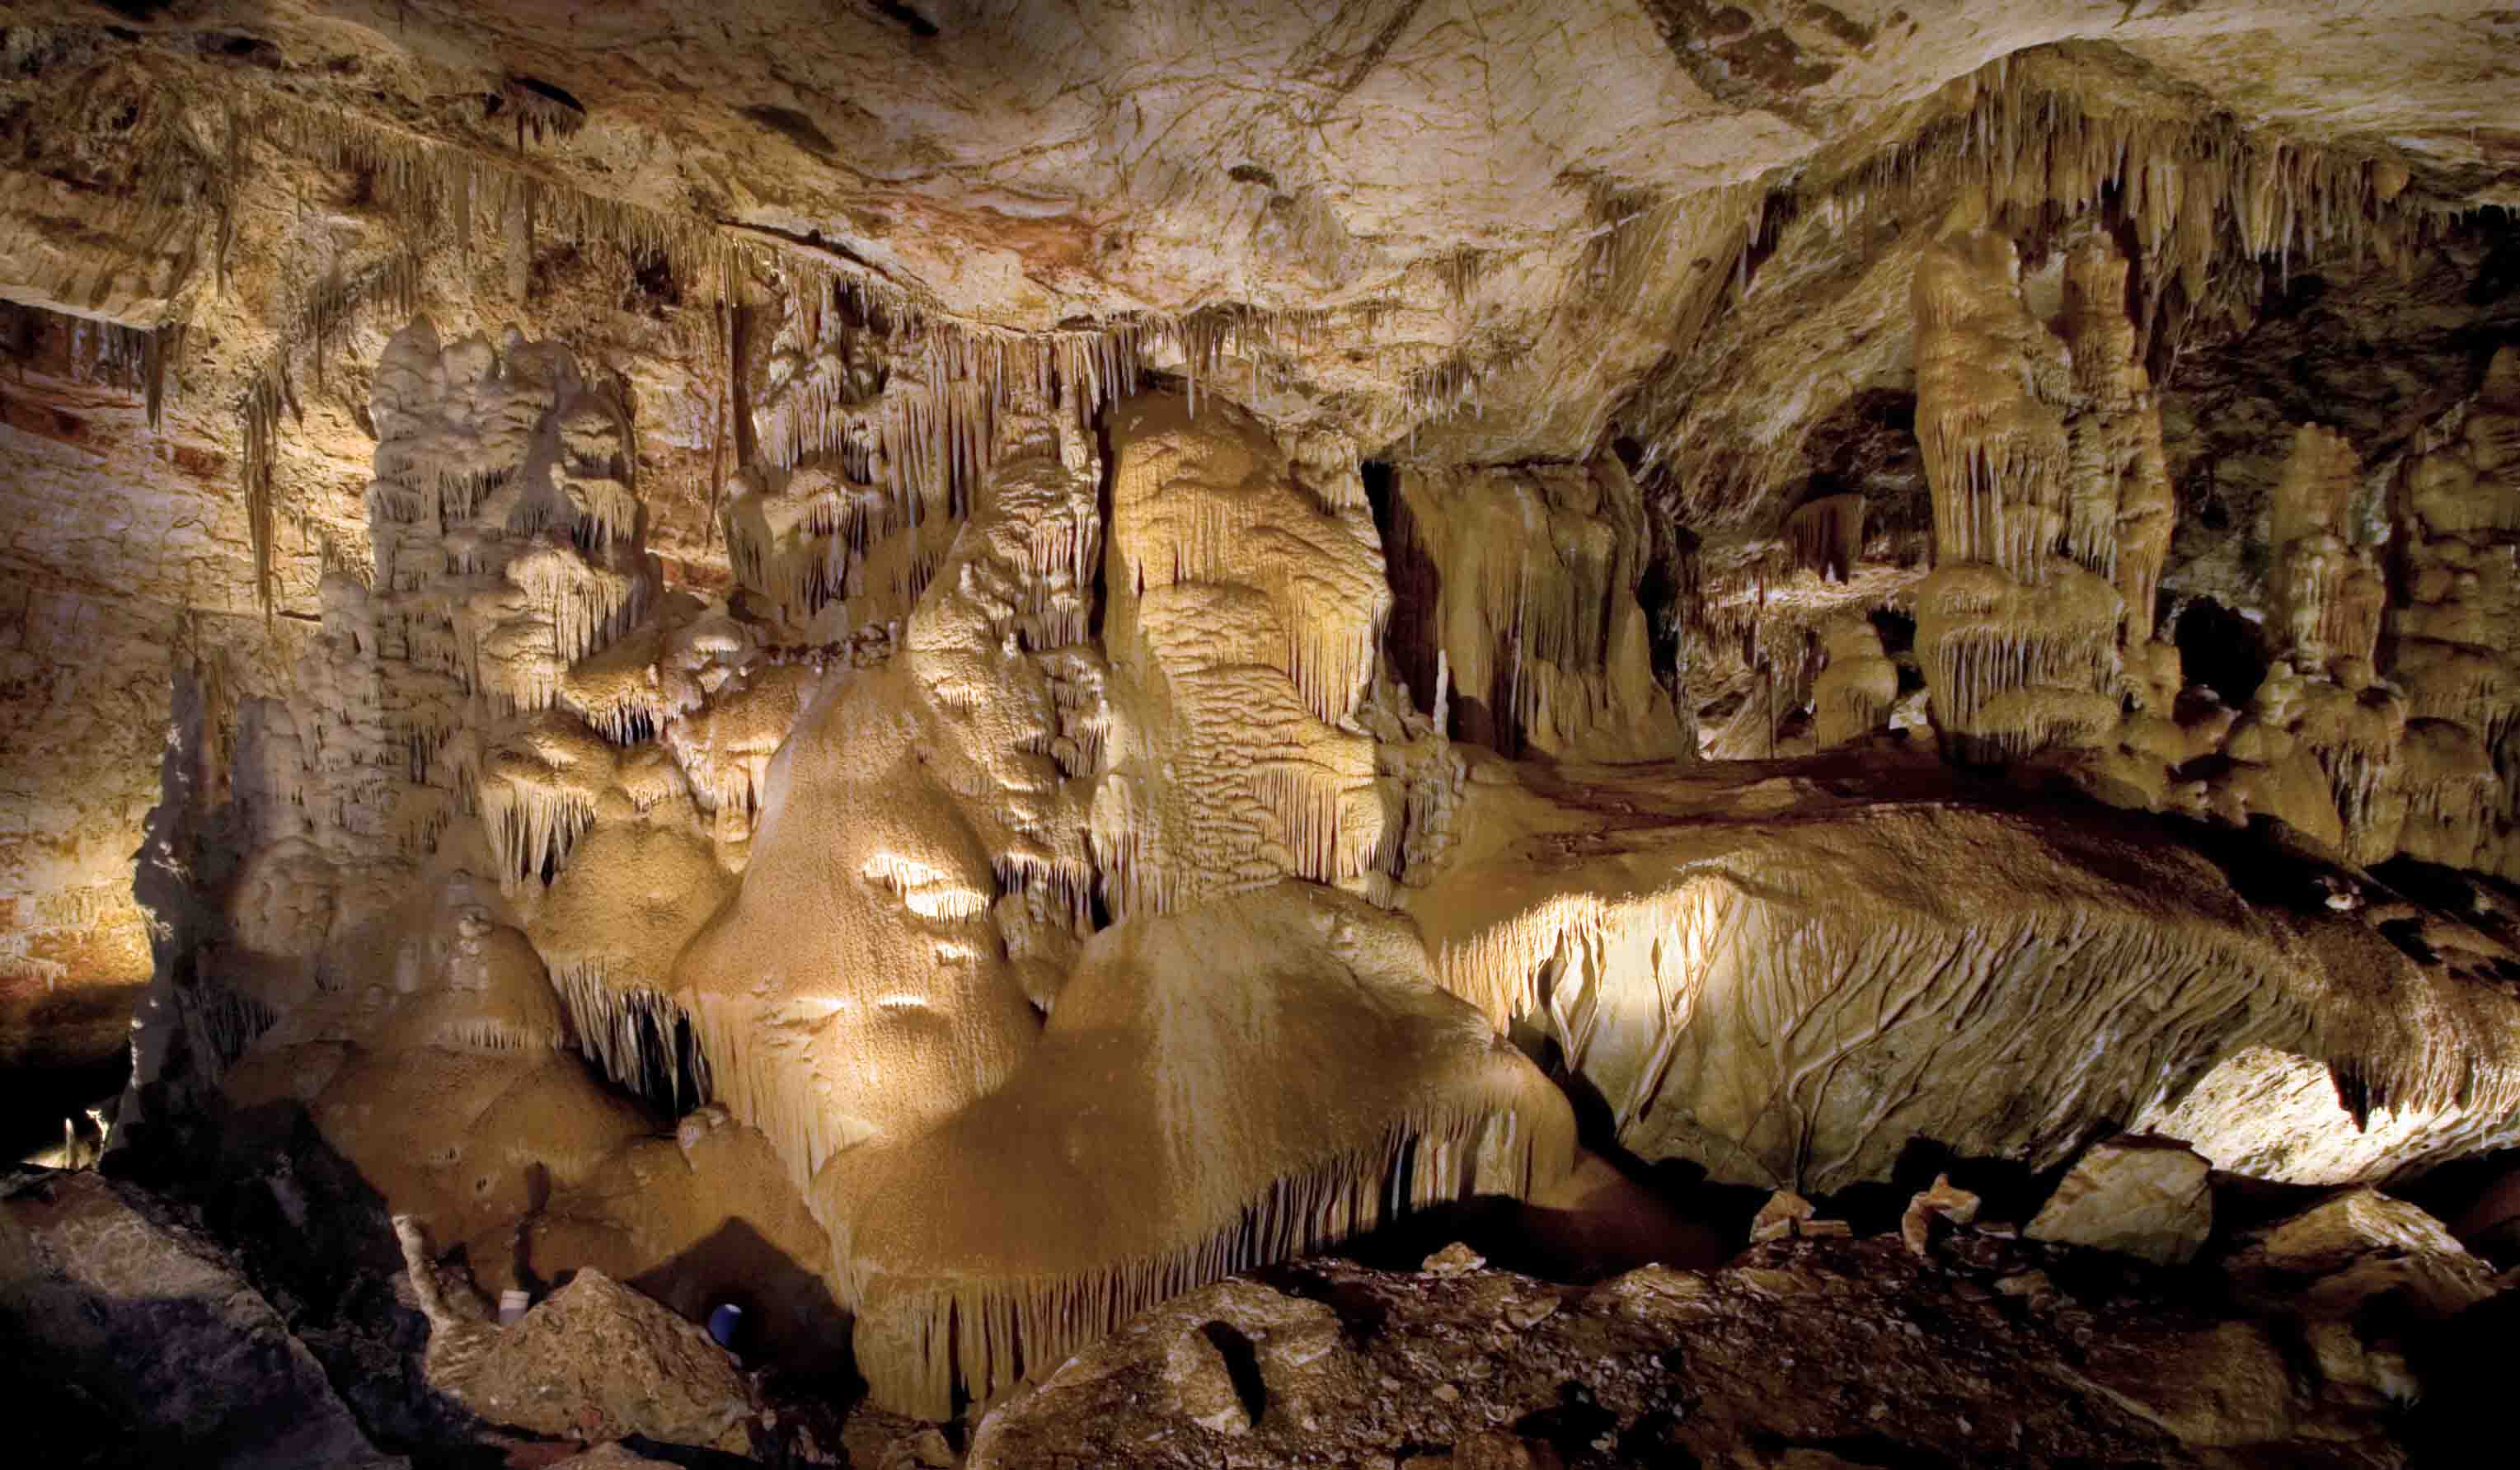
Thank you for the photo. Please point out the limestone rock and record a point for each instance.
(1235, 1358)
(1804, 1349)
(1787, 1213)
(1783, 1213)
(1455, 1259)
(1705, 958)
(1072, 488)
(596, 1360)
(2329, 1260)
(2271, 1114)
(613, 1456)
(1202, 1380)
(1497, 1449)
(1210, 1151)
(2143, 1197)
(142, 1342)
(2032, 1287)
(1942, 1202)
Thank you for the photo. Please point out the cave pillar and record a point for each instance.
(2020, 644)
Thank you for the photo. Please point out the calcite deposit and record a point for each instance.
(885, 709)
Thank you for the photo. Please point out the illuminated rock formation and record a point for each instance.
(1768, 980)
(921, 675)
(1220, 1086)
(1852, 696)
(2454, 636)
(1526, 623)
(444, 1078)
(2018, 633)
(1244, 605)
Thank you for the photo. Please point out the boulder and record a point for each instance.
(1779, 1216)
(2143, 1197)
(2331, 1260)
(1498, 1449)
(146, 1344)
(1201, 1378)
(1944, 1202)
(599, 1361)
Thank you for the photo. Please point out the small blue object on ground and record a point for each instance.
(723, 1323)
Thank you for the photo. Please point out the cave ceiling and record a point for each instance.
(1445, 230)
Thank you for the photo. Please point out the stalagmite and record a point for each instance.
(2120, 506)
(2332, 596)
(902, 1001)
(2015, 668)
(1853, 695)
(2454, 651)
(2020, 644)
(1989, 384)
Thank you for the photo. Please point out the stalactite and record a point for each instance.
(641, 1039)
(2025, 149)
(531, 829)
(1828, 534)
(1526, 587)
(539, 110)
(262, 403)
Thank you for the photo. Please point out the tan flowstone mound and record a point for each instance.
(1222, 1086)
(451, 1091)
(2143, 1197)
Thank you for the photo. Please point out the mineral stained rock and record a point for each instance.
(2332, 1258)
